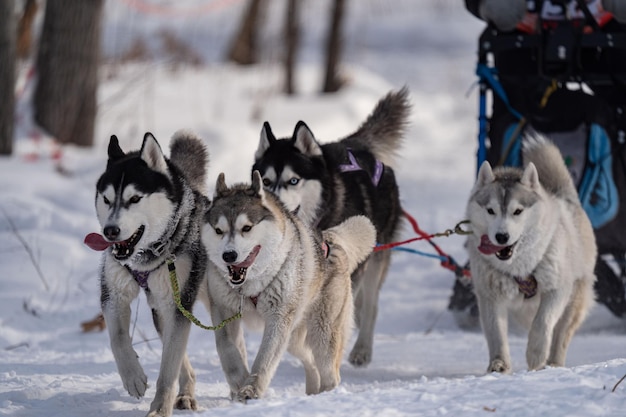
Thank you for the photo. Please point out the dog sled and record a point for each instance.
(565, 78)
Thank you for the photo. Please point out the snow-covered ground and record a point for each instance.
(423, 363)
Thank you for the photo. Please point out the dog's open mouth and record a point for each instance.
(121, 250)
(502, 252)
(237, 272)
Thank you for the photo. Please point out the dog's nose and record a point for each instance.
(111, 232)
(229, 257)
(502, 238)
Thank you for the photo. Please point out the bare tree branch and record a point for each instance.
(28, 250)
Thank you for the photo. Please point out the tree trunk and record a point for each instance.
(292, 38)
(67, 67)
(332, 80)
(245, 46)
(7, 75)
(25, 29)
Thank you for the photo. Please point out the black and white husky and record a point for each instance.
(150, 209)
(327, 183)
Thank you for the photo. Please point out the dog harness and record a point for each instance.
(141, 277)
(354, 166)
(527, 286)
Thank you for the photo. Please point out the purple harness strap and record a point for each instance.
(527, 286)
(354, 166)
(141, 277)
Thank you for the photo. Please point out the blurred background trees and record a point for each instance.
(67, 67)
(245, 47)
(7, 75)
(333, 80)
(66, 57)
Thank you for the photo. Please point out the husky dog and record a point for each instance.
(532, 252)
(150, 209)
(326, 184)
(266, 263)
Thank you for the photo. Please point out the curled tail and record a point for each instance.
(384, 128)
(188, 153)
(551, 168)
(355, 238)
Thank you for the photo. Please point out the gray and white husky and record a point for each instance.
(327, 183)
(284, 277)
(150, 209)
(532, 253)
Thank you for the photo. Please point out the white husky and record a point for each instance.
(532, 253)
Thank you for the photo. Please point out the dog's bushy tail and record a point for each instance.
(551, 168)
(355, 237)
(383, 130)
(189, 154)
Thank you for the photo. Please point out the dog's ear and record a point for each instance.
(257, 183)
(266, 140)
(485, 174)
(304, 140)
(220, 185)
(114, 151)
(152, 154)
(530, 177)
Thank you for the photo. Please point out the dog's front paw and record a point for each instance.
(499, 365)
(250, 389)
(159, 413)
(360, 356)
(135, 381)
(186, 402)
(247, 392)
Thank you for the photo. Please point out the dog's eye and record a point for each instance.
(246, 228)
(266, 182)
(517, 212)
(134, 199)
(106, 201)
(490, 211)
(218, 231)
(294, 181)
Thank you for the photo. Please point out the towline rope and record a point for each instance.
(176, 290)
(446, 260)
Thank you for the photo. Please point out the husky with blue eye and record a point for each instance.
(150, 209)
(324, 184)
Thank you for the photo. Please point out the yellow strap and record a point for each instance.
(176, 290)
(546, 95)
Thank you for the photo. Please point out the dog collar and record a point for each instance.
(354, 166)
(527, 286)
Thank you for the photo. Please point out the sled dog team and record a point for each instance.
(292, 253)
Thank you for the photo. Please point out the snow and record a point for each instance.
(423, 363)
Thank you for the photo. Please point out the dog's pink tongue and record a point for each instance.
(96, 242)
(250, 259)
(487, 247)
